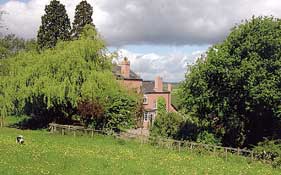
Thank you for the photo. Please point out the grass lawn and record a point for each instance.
(45, 153)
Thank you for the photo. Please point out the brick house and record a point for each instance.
(151, 91)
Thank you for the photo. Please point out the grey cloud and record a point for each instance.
(178, 22)
(163, 22)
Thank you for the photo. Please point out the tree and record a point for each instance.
(10, 45)
(235, 91)
(55, 25)
(83, 16)
(49, 86)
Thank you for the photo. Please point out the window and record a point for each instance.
(145, 117)
(145, 100)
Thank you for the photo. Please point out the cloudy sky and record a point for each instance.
(160, 37)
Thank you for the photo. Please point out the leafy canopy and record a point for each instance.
(235, 91)
(52, 83)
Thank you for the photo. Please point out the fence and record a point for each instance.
(73, 129)
(157, 141)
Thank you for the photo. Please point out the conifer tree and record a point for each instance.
(55, 25)
(83, 16)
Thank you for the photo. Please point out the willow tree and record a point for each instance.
(51, 84)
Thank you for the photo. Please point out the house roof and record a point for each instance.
(148, 87)
(117, 72)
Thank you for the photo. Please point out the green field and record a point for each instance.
(45, 153)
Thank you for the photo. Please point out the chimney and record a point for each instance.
(125, 68)
(170, 87)
(158, 84)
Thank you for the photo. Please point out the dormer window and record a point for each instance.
(145, 100)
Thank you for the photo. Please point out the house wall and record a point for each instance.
(132, 84)
(152, 99)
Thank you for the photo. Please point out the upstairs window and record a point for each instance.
(145, 100)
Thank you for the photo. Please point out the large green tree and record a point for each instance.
(236, 90)
(49, 86)
(55, 25)
(83, 16)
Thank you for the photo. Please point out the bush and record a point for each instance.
(270, 150)
(207, 138)
(120, 112)
(167, 125)
(91, 112)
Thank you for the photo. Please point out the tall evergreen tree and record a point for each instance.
(83, 16)
(55, 25)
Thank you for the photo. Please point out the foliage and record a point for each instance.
(83, 16)
(55, 25)
(175, 95)
(91, 112)
(235, 90)
(44, 153)
(167, 125)
(121, 112)
(50, 85)
(207, 138)
(161, 106)
(270, 150)
(10, 45)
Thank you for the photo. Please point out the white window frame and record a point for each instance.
(145, 100)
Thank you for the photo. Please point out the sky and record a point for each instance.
(160, 37)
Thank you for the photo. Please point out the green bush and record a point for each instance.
(167, 125)
(270, 150)
(207, 138)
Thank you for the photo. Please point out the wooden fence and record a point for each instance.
(63, 129)
(158, 141)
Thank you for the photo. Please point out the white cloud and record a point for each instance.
(171, 67)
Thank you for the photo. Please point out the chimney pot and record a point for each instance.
(158, 84)
(125, 68)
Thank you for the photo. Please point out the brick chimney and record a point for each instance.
(125, 68)
(170, 87)
(158, 84)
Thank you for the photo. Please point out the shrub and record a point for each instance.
(270, 150)
(167, 125)
(91, 112)
(120, 112)
(207, 138)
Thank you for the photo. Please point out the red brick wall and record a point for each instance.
(132, 84)
(152, 99)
